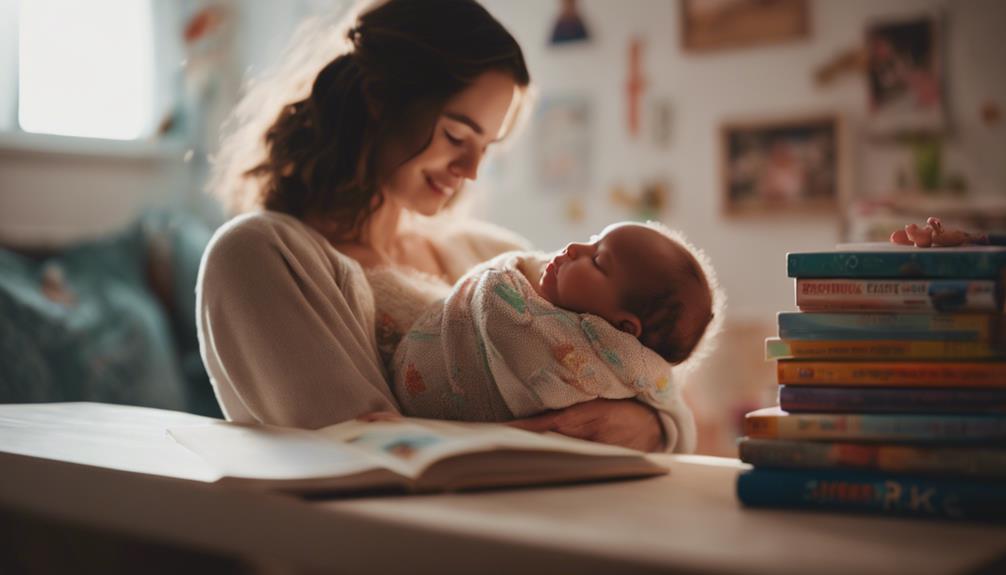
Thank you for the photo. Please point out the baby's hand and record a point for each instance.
(934, 234)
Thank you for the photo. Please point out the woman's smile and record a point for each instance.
(440, 188)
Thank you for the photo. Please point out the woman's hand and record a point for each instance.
(934, 234)
(624, 422)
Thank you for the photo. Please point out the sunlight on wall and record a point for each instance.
(85, 68)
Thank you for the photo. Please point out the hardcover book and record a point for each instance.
(776, 348)
(959, 461)
(413, 455)
(800, 398)
(873, 492)
(774, 423)
(921, 296)
(911, 327)
(883, 260)
(982, 374)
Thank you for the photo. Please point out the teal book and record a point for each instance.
(882, 260)
(873, 492)
(899, 326)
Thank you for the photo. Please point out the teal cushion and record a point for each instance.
(103, 338)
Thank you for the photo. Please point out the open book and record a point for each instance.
(416, 455)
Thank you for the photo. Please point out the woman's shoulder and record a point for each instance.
(249, 239)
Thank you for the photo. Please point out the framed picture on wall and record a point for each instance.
(786, 165)
(719, 24)
(905, 76)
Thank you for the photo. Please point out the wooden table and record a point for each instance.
(113, 467)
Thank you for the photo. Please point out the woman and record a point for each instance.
(297, 301)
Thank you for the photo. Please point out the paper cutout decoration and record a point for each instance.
(635, 86)
(569, 26)
(563, 144)
(661, 123)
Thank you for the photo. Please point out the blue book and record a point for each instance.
(874, 492)
(882, 260)
(920, 400)
(876, 326)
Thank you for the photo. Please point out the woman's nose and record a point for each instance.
(467, 165)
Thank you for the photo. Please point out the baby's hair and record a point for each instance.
(674, 323)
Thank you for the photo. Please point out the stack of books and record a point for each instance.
(892, 386)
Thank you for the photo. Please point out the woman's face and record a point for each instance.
(469, 123)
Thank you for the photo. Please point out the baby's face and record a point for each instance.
(595, 277)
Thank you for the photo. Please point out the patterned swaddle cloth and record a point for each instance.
(494, 350)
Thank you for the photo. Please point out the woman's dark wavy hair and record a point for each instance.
(374, 107)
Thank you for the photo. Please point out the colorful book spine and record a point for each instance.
(893, 374)
(921, 327)
(972, 462)
(776, 348)
(873, 262)
(773, 423)
(799, 398)
(872, 492)
(942, 296)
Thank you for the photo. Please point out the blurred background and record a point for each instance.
(756, 127)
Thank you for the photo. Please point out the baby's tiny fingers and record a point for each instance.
(901, 238)
(921, 237)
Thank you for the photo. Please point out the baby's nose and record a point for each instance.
(575, 250)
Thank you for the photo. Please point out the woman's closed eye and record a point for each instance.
(454, 140)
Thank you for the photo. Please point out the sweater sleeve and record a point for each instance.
(286, 327)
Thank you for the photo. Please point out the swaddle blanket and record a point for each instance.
(494, 338)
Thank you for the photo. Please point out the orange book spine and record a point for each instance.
(776, 348)
(893, 374)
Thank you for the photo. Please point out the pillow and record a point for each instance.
(81, 325)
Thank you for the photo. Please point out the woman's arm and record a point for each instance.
(624, 422)
(286, 327)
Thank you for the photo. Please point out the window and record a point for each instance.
(83, 68)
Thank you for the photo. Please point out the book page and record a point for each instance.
(268, 452)
(409, 446)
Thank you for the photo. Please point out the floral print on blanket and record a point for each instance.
(414, 383)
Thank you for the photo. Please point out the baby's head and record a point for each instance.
(644, 279)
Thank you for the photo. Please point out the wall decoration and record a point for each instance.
(905, 76)
(635, 85)
(661, 123)
(717, 24)
(575, 211)
(784, 165)
(569, 26)
(649, 203)
(563, 144)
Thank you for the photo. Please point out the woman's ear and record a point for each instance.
(629, 323)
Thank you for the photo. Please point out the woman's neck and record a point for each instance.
(383, 229)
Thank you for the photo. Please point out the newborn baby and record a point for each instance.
(524, 333)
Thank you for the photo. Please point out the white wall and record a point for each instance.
(706, 89)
